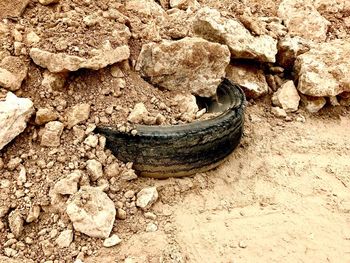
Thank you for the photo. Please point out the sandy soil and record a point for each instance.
(283, 196)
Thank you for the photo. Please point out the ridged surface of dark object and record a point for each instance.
(182, 150)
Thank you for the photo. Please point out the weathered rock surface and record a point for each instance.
(313, 104)
(302, 19)
(14, 114)
(209, 24)
(62, 62)
(190, 64)
(112, 241)
(324, 70)
(138, 114)
(78, 114)
(287, 97)
(16, 223)
(12, 8)
(187, 105)
(289, 49)
(251, 78)
(51, 135)
(147, 197)
(45, 115)
(65, 238)
(94, 169)
(68, 185)
(92, 212)
(54, 81)
(12, 72)
(278, 112)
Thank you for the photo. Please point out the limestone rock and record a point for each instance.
(251, 78)
(14, 114)
(12, 72)
(45, 115)
(187, 105)
(53, 81)
(112, 170)
(12, 8)
(51, 135)
(16, 223)
(94, 169)
(61, 62)
(32, 38)
(189, 64)
(64, 239)
(183, 4)
(302, 19)
(112, 241)
(209, 24)
(92, 212)
(128, 175)
(33, 214)
(325, 69)
(313, 104)
(78, 114)
(278, 112)
(289, 49)
(147, 197)
(68, 185)
(48, 2)
(91, 140)
(287, 97)
(138, 114)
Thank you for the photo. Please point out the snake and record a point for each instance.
(183, 149)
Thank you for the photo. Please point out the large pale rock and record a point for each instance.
(190, 64)
(12, 8)
(313, 104)
(209, 24)
(287, 97)
(78, 114)
(147, 197)
(16, 222)
(14, 114)
(325, 69)
(68, 185)
(187, 104)
(12, 72)
(302, 19)
(290, 48)
(251, 78)
(61, 62)
(138, 114)
(51, 134)
(92, 212)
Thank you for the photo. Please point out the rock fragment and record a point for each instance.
(302, 19)
(94, 169)
(92, 212)
(64, 239)
(33, 214)
(78, 114)
(190, 64)
(287, 97)
(12, 8)
(14, 114)
(61, 62)
(138, 114)
(48, 2)
(147, 197)
(16, 223)
(209, 24)
(112, 241)
(45, 115)
(68, 185)
(53, 81)
(12, 72)
(252, 79)
(278, 112)
(324, 70)
(313, 104)
(51, 136)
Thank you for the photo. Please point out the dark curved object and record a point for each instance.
(182, 150)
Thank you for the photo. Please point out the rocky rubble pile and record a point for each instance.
(68, 66)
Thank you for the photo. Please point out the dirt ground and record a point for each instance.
(283, 196)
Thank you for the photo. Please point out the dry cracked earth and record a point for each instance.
(67, 66)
